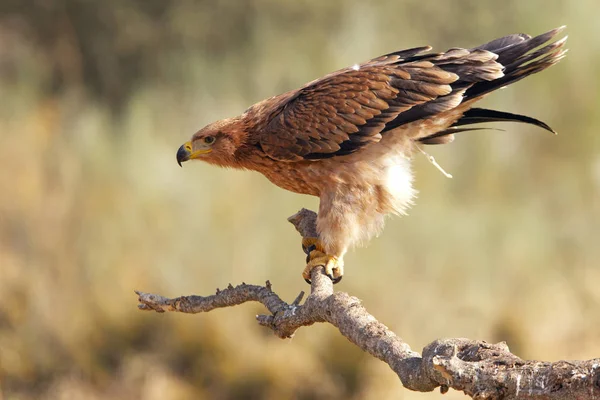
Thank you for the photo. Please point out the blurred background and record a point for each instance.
(96, 99)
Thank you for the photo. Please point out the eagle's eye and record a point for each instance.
(209, 139)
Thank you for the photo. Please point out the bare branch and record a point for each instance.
(480, 369)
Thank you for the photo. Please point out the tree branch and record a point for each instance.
(480, 369)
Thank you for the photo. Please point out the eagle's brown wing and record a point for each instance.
(348, 109)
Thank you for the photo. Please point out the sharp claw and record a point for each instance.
(334, 280)
(308, 249)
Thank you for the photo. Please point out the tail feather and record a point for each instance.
(502, 43)
(480, 115)
(511, 52)
(519, 59)
(447, 135)
(520, 56)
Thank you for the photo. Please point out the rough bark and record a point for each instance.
(479, 369)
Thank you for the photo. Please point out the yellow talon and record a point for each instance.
(334, 267)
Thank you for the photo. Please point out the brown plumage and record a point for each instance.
(349, 136)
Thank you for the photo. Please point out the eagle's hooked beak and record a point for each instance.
(184, 152)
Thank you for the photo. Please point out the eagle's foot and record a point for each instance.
(316, 256)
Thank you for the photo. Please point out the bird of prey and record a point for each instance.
(348, 137)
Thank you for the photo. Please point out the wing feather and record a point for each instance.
(351, 108)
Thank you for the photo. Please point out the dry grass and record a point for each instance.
(93, 207)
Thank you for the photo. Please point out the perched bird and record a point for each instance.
(348, 137)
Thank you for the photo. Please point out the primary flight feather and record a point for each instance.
(348, 137)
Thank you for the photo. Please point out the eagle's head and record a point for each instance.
(216, 143)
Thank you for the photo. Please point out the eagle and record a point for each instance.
(349, 136)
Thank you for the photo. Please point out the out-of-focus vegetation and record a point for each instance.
(96, 98)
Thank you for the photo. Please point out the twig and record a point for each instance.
(480, 369)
